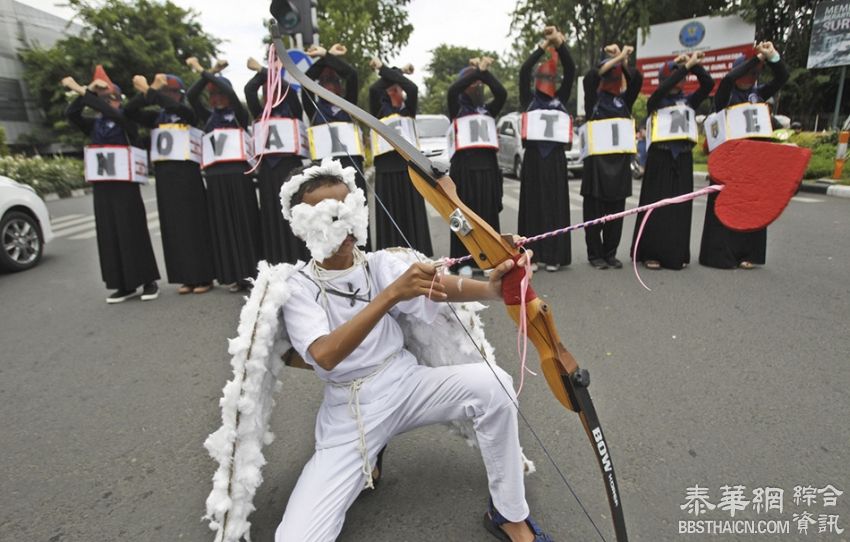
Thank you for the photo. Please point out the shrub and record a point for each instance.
(46, 175)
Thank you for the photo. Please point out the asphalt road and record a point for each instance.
(714, 378)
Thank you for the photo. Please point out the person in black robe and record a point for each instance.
(231, 196)
(609, 92)
(669, 172)
(279, 243)
(722, 247)
(124, 244)
(395, 94)
(544, 197)
(476, 171)
(180, 194)
(339, 77)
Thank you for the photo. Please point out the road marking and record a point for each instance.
(73, 222)
(804, 199)
(62, 219)
(75, 229)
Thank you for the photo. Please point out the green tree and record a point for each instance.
(139, 37)
(368, 28)
(446, 63)
(4, 149)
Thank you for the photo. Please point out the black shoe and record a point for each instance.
(121, 296)
(150, 291)
(598, 263)
(612, 261)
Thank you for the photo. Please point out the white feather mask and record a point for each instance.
(324, 226)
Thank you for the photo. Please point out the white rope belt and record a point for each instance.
(354, 387)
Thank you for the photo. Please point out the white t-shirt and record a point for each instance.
(306, 320)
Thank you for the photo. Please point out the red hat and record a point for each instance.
(100, 73)
(544, 77)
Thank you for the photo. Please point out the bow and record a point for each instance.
(567, 381)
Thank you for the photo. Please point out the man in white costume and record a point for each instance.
(341, 318)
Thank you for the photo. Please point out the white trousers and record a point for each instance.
(333, 478)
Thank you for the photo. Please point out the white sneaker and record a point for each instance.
(552, 268)
(465, 271)
(534, 267)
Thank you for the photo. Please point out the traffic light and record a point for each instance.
(296, 17)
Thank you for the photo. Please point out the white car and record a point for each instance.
(510, 147)
(432, 131)
(24, 226)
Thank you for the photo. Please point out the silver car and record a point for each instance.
(509, 128)
(24, 226)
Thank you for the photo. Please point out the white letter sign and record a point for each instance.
(179, 142)
(116, 163)
(547, 125)
(674, 123)
(406, 128)
(607, 136)
(224, 145)
(279, 135)
(335, 139)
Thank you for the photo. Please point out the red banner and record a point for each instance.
(717, 62)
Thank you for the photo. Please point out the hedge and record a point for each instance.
(46, 175)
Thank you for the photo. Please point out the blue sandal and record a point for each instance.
(493, 522)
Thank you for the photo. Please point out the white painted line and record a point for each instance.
(64, 218)
(87, 235)
(510, 202)
(73, 222)
(75, 229)
(804, 199)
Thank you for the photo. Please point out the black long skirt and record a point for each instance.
(403, 203)
(357, 163)
(184, 223)
(124, 245)
(479, 185)
(544, 203)
(234, 222)
(279, 243)
(666, 237)
(724, 248)
(606, 182)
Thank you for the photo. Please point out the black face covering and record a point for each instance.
(476, 95)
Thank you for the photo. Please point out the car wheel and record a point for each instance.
(21, 244)
(517, 167)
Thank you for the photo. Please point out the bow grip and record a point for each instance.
(511, 283)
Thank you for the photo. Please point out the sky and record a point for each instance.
(480, 24)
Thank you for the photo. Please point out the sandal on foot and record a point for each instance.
(652, 264)
(185, 289)
(746, 265)
(493, 522)
(202, 288)
(379, 466)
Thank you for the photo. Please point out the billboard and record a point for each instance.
(722, 39)
(830, 45)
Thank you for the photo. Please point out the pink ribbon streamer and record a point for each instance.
(274, 97)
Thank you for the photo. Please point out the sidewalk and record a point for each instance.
(820, 186)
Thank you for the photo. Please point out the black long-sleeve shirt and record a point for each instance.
(346, 72)
(727, 90)
(493, 107)
(74, 113)
(204, 113)
(378, 98)
(252, 97)
(566, 88)
(706, 83)
(137, 109)
(634, 81)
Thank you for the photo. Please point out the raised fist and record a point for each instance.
(193, 63)
(375, 63)
(485, 63)
(140, 83)
(681, 59)
(407, 68)
(337, 49)
(612, 50)
(475, 62)
(220, 64)
(316, 51)
(254, 65)
(71, 84)
(628, 50)
(159, 81)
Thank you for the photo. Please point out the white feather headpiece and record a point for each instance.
(328, 168)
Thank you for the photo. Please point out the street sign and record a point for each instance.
(303, 62)
(830, 45)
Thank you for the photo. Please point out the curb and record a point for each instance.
(826, 187)
(75, 193)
